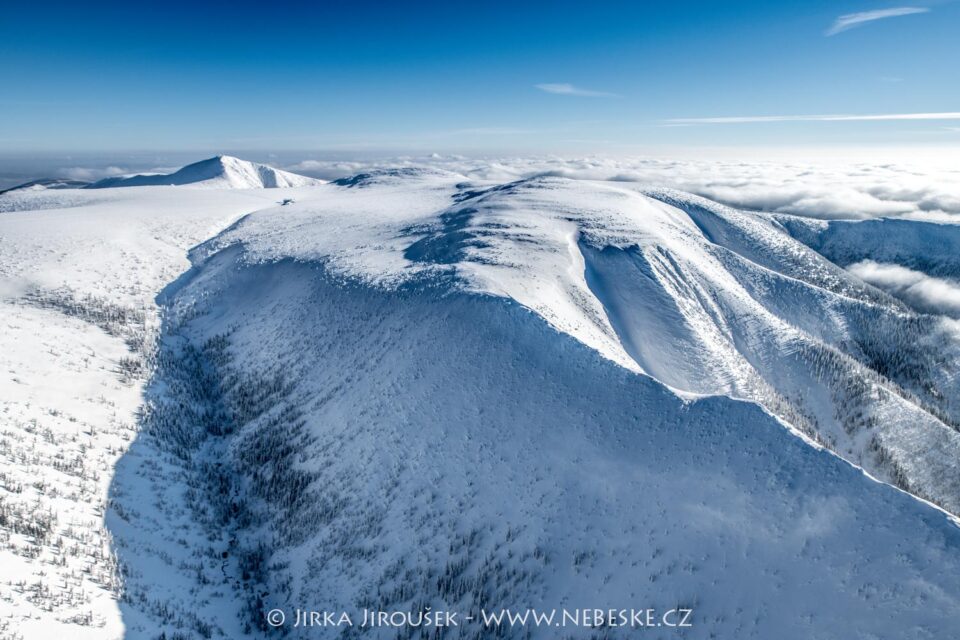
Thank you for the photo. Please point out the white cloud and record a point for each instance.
(804, 199)
(493, 131)
(565, 89)
(922, 292)
(329, 169)
(940, 115)
(89, 174)
(851, 20)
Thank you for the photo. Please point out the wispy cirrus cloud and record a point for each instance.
(940, 115)
(492, 131)
(852, 20)
(565, 89)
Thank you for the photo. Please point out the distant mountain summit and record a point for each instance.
(47, 183)
(220, 172)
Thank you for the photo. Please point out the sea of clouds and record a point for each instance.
(825, 190)
(820, 189)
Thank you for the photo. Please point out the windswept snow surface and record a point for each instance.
(413, 389)
(220, 172)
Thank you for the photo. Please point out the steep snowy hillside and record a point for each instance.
(220, 172)
(929, 247)
(420, 447)
(703, 298)
(79, 271)
(407, 389)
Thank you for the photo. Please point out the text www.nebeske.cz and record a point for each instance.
(676, 617)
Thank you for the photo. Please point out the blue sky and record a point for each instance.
(494, 77)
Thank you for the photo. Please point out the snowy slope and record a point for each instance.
(79, 271)
(407, 389)
(701, 297)
(415, 446)
(220, 172)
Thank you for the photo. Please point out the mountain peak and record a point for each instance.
(218, 172)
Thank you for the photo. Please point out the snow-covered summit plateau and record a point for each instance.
(412, 388)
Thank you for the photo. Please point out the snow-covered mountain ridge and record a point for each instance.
(47, 183)
(414, 389)
(219, 172)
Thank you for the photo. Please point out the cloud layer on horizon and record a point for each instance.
(826, 191)
(89, 174)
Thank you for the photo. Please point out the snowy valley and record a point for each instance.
(233, 389)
